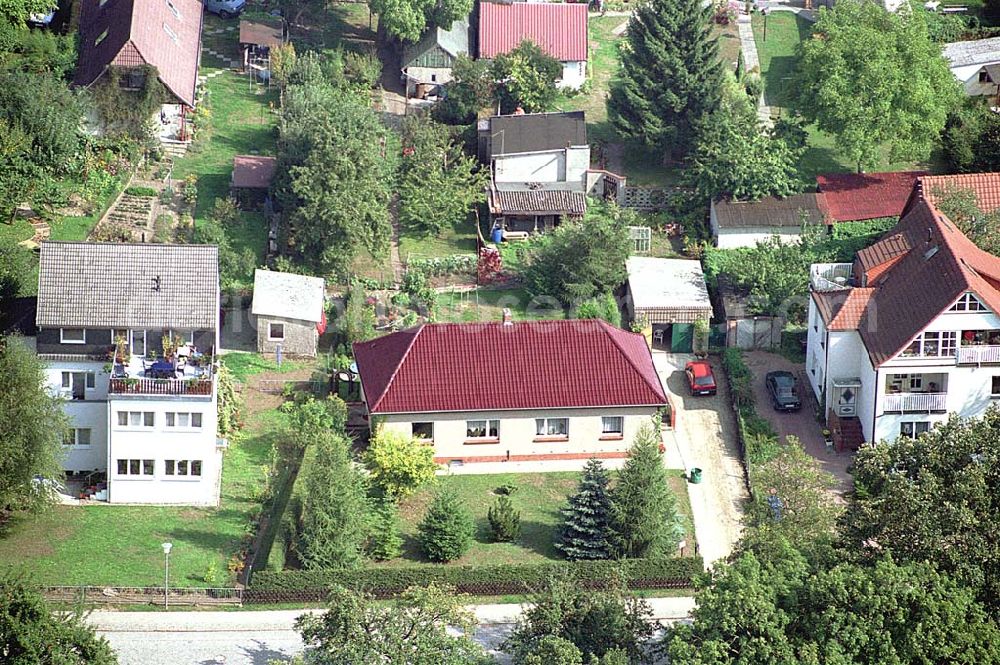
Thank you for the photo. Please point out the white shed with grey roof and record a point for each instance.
(288, 310)
(976, 65)
(669, 295)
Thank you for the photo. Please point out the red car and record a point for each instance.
(701, 381)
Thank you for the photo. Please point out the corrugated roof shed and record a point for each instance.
(128, 285)
(972, 52)
(287, 295)
(492, 367)
(667, 284)
(770, 212)
(453, 41)
(536, 132)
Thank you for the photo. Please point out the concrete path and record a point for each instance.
(751, 60)
(705, 438)
(258, 637)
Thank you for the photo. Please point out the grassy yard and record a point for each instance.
(244, 365)
(729, 44)
(456, 240)
(485, 304)
(539, 497)
(120, 545)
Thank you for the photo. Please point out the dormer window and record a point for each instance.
(170, 33)
(173, 9)
(969, 303)
(984, 76)
(101, 37)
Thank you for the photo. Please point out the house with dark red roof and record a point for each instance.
(558, 28)
(493, 392)
(125, 37)
(909, 332)
(858, 197)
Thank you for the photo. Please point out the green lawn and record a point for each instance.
(243, 365)
(16, 232)
(241, 124)
(120, 545)
(457, 240)
(347, 25)
(485, 304)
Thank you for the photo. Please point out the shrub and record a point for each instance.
(505, 520)
(385, 542)
(141, 191)
(447, 529)
(399, 464)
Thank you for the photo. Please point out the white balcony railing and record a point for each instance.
(974, 355)
(830, 276)
(915, 402)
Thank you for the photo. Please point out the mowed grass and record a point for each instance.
(243, 365)
(485, 304)
(603, 66)
(242, 123)
(455, 240)
(120, 545)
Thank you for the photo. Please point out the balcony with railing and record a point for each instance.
(915, 393)
(830, 276)
(183, 376)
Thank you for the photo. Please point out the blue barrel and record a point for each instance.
(497, 236)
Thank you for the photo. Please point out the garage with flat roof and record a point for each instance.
(669, 295)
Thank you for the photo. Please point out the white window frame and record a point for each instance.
(172, 420)
(612, 433)
(543, 424)
(270, 332)
(913, 425)
(143, 464)
(64, 340)
(968, 302)
(142, 416)
(490, 426)
(945, 339)
(172, 469)
(73, 440)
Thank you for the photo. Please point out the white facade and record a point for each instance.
(567, 165)
(918, 387)
(975, 80)
(574, 74)
(748, 236)
(88, 450)
(588, 432)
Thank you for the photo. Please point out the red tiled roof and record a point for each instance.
(985, 185)
(490, 367)
(560, 29)
(843, 310)
(253, 172)
(851, 197)
(164, 34)
(874, 260)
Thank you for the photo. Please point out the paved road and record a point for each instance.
(705, 438)
(256, 638)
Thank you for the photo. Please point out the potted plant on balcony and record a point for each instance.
(121, 350)
(828, 439)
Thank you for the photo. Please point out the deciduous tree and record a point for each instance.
(407, 20)
(586, 531)
(411, 629)
(644, 514)
(525, 77)
(33, 428)
(399, 464)
(874, 78)
(469, 91)
(670, 75)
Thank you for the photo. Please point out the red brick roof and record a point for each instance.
(985, 185)
(253, 171)
(492, 367)
(851, 197)
(842, 310)
(560, 29)
(131, 33)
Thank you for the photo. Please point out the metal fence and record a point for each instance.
(106, 595)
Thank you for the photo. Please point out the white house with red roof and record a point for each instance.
(493, 392)
(559, 29)
(909, 332)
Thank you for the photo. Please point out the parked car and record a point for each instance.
(225, 8)
(784, 391)
(701, 381)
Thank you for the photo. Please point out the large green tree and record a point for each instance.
(670, 75)
(407, 20)
(19, 11)
(335, 512)
(874, 78)
(962, 207)
(335, 177)
(439, 185)
(412, 629)
(578, 261)
(31, 632)
(935, 498)
(790, 611)
(644, 514)
(586, 531)
(32, 428)
(469, 91)
(447, 530)
(526, 78)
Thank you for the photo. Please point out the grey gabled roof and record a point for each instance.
(454, 41)
(770, 212)
(128, 285)
(287, 295)
(974, 52)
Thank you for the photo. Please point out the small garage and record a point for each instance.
(667, 297)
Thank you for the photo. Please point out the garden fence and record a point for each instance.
(107, 595)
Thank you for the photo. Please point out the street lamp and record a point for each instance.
(166, 573)
(763, 12)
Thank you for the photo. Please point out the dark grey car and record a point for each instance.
(784, 391)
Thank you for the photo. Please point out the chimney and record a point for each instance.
(508, 318)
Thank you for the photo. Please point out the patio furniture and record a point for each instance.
(118, 371)
(162, 369)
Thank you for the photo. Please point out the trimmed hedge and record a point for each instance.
(313, 585)
(759, 441)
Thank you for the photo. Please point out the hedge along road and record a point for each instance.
(256, 637)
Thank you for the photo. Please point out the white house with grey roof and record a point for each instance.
(668, 296)
(976, 65)
(288, 312)
(427, 64)
(129, 334)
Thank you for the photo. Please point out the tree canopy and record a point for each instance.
(525, 77)
(407, 20)
(586, 532)
(670, 75)
(874, 78)
(962, 207)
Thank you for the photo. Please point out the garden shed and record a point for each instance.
(670, 296)
(252, 176)
(288, 311)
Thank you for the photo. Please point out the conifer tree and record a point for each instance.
(670, 75)
(643, 509)
(386, 542)
(504, 519)
(447, 529)
(586, 533)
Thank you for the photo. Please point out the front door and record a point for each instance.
(138, 342)
(846, 400)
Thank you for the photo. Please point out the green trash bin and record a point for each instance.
(695, 475)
